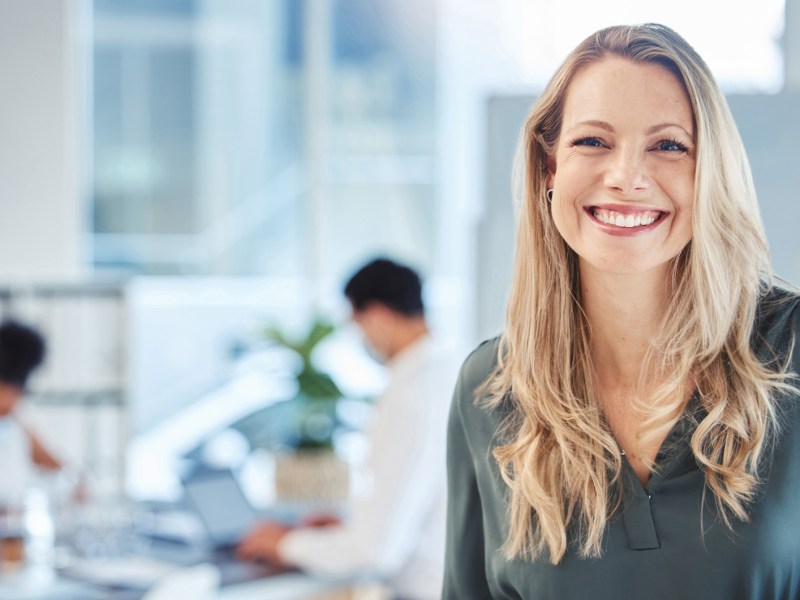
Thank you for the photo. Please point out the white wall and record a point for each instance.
(42, 204)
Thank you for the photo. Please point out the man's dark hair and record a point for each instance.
(22, 349)
(394, 285)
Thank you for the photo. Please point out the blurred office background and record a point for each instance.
(177, 174)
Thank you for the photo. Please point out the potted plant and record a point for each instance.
(301, 430)
(317, 393)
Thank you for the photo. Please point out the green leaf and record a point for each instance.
(276, 335)
(317, 391)
(316, 384)
(319, 331)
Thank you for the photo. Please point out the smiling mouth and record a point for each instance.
(628, 219)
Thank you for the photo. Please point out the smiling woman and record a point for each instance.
(625, 154)
(619, 438)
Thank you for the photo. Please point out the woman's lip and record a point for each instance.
(624, 209)
(624, 231)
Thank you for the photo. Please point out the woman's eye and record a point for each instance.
(670, 146)
(591, 142)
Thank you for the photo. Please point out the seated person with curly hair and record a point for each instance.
(22, 349)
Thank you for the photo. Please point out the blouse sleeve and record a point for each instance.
(465, 570)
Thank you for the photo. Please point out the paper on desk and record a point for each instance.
(131, 571)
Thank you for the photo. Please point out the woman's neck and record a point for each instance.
(624, 313)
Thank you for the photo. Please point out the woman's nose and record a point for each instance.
(626, 172)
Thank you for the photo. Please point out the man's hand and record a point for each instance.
(262, 543)
(321, 520)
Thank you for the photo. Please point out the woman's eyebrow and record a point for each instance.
(662, 126)
(610, 128)
(593, 123)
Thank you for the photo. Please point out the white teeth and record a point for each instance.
(639, 219)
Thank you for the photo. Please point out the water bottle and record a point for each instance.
(38, 529)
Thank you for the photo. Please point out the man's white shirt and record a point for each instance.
(398, 530)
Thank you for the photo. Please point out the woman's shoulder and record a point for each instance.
(777, 314)
(479, 364)
(777, 325)
(480, 421)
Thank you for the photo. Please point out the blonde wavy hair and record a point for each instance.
(558, 457)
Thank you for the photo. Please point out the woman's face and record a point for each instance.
(623, 169)
(9, 396)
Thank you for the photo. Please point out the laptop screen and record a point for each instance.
(221, 505)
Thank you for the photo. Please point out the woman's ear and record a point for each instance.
(551, 171)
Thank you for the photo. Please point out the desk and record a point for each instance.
(287, 586)
(158, 558)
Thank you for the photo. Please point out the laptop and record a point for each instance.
(217, 498)
(226, 515)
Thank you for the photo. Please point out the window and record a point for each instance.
(256, 138)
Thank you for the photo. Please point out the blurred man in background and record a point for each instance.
(397, 531)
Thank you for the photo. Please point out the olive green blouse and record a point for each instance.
(666, 541)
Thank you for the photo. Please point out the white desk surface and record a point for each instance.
(288, 586)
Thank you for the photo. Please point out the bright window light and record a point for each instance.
(740, 42)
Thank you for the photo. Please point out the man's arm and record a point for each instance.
(262, 542)
(407, 460)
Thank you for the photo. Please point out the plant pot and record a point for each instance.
(311, 476)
